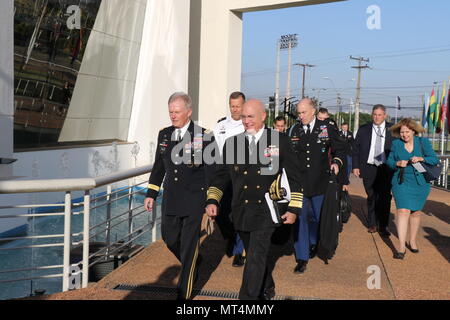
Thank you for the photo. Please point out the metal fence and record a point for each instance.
(443, 182)
(69, 209)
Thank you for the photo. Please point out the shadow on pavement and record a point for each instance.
(437, 209)
(441, 242)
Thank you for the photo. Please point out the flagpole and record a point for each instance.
(442, 116)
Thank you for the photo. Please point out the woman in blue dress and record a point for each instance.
(409, 187)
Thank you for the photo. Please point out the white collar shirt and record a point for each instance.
(311, 125)
(370, 159)
(183, 130)
(258, 135)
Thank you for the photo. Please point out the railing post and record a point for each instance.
(67, 239)
(446, 173)
(130, 209)
(154, 222)
(87, 211)
(108, 220)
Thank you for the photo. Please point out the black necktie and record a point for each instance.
(178, 135)
(307, 129)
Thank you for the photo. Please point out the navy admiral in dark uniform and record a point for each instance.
(179, 157)
(252, 161)
(312, 139)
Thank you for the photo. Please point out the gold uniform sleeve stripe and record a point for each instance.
(295, 204)
(215, 194)
(339, 160)
(296, 196)
(153, 187)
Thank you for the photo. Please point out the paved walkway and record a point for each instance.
(425, 275)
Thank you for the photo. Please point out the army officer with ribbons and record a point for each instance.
(252, 162)
(312, 140)
(179, 159)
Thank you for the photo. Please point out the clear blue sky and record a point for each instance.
(410, 51)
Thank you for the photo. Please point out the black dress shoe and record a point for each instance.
(312, 251)
(411, 249)
(399, 255)
(268, 294)
(300, 267)
(238, 260)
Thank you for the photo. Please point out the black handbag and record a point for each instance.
(432, 171)
(345, 206)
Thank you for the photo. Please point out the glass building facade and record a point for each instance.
(51, 38)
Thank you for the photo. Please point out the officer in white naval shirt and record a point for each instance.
(225, 128)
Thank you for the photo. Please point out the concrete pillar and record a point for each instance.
(221, 50)
(162, 70)
(6, 84)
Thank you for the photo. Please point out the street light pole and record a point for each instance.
(288, 81)
(288, 41)
(277, 80)
(318, 93)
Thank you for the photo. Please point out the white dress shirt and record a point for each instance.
(258, 135)
(183, 131)
(370, 160)
(311, 125)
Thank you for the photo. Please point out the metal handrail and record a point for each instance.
(78, 184)
(69, 185)
(117, 191)
(114, 225)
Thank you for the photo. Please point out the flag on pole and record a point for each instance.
(439, 109)
(436, 112)
(431, 112)
(448, 110)
(444, 107)
(426, 103)
(398, 103)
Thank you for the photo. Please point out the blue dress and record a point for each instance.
(414, 190)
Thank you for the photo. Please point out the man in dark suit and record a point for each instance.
(252, 161)
(348, 137)
(370, 151)
(316, 143)
(179, 158)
